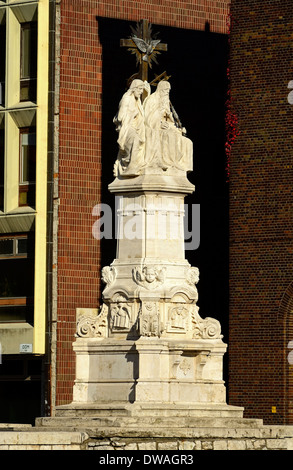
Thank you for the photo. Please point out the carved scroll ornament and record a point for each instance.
(208, 328)
(93, 326)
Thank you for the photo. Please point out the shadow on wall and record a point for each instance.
(197, 62)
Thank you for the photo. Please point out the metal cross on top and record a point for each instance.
(144, 47)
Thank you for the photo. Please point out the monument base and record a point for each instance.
(151, 394)
(149, 370)
(148, 383)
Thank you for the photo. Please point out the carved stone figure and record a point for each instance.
(149, 277)
(178, 317)
(129, 123)
(149, 319)
(166, 144)
(108, 275)
(192, 276)
(120, 314)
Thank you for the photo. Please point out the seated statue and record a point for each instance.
(130, 125)
(150, 135)
(166, 144)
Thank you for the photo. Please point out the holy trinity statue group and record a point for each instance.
(150, 133)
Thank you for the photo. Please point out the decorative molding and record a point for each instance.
(208, 328)
(185, 366)
(89, 325)
(149, 319)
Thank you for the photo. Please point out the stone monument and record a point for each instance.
(148, 366)
(148, 348)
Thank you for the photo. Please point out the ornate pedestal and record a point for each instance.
(148, 344)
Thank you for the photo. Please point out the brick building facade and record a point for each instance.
(93, 71)
(261, 244)
(245, 252)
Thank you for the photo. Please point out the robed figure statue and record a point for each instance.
(150, 135)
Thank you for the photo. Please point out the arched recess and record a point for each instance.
(285, 318)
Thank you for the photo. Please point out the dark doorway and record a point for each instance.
(20, 389)
(197, 62)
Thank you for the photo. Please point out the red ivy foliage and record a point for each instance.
(231, 116)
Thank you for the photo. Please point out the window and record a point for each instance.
(27, 167)
(2, 63)
(13, 247)
(2, 165)
(28, 61)
(16, 278)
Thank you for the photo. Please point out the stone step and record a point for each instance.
(150, 439)
(14, 426)
(149, 409)
(38, 439)
(135, 422)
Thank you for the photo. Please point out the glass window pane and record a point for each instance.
(2, 166)
(25, 53)
(25, 39)
(14, 313)
(24, 176)
(2, 63)
(17, 278)
(28, 61)
(22, 246)
(28, 158)
(28, 50)
(6, 246)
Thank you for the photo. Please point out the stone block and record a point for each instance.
(104, 448)
(259, 444)
(250, 444)
(236, 444)
(275, 444)
(62, 447)
(207, 445)
(151, 445)
(186, 445)
(117, 443)
(167, 445)
(220, 445)
(197, 445)
(132, 446)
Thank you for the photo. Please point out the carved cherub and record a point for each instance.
(108, 275)
(149, 277)
(192, 275)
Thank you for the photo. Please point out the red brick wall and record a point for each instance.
(192, 14)
(261, 243)
(80, 147)
(79, 178)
